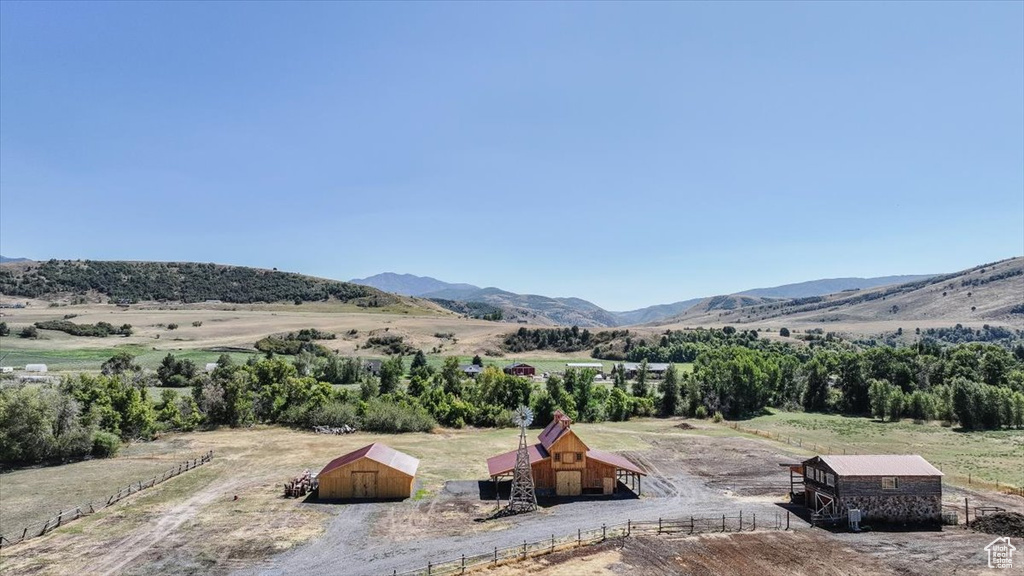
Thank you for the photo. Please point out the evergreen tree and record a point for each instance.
(669, 393)
(640, 389)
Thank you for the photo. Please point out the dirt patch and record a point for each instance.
(1001, 524)
(756, 553)
(686, 426)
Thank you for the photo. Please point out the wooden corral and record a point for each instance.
(563, 465)
(374, 472)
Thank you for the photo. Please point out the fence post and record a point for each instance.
(463, 563)
(604, 532)
(723, 522)
(787, 519)
(552, 543)
(629, 527)
(24, 533)
(524, 549)
(691, 525)
(495, 555)
(741, 521)
(59, 514)
(429, 566)
(754, 528)
(659, 525)
(579, 537)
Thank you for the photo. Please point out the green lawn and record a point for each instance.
(93, 358)
(993, 456)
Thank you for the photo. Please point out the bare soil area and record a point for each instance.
(804, 552)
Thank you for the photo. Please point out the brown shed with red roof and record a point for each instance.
(563, 465)
(374, 472)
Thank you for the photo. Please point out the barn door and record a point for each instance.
(364, 484)
(569, 483)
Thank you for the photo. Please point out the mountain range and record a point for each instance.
(538, 309)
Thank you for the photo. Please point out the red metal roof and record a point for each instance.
(614, 460)
(377, 452)
(505, 463)
(879, 465)
(558, 426)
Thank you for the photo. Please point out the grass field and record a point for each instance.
(994, 456)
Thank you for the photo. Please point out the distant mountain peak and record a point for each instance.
(410, 284)
(4, 259)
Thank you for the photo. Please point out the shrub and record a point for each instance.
(382, 416)
(4, 330)
(717, 417)
(701, 412)
(29, 332)
(197, 323)
(105, 444)
(172, 326)
(784, 332)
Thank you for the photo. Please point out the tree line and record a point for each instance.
(181, 281)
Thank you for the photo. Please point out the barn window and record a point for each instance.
(890, 483)
(579, 456)
(558, 456)
(830, 479)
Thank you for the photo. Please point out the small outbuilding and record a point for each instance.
(471, 370)
(35, 368)
(654, 369)
(888, 488)
(520, 369)
(374, 472)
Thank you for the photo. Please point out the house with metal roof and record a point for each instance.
(563, 465)
(889, 488)
(519, 369)
(374, 472)
(471, 370)
(654, 369)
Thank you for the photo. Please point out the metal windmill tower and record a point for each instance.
(523, 497)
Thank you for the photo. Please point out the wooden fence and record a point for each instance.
(703, 524)
(968, 479)
(69, 515)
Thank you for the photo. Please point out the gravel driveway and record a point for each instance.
(674, 488)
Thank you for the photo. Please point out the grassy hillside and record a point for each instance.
(178, 281)
(987, 293)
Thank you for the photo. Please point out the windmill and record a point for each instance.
(523, 497)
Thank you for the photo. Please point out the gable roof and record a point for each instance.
(517, 364)
(380, 453)
(615, 460)
(651, 366)
(879, 465)
(505, 463)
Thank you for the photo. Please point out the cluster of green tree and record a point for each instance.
(558, 339)
(290, 344)
(98, 330)
(4, 329)
(181, 281)
(83, 416)
(687, 345)
(172, 372)
(974, 405)
(391, 344)
(987, 333)
(479, 310)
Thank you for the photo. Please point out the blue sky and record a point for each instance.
(630, 154)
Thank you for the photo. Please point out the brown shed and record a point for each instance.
(563, 465)
(373, 472)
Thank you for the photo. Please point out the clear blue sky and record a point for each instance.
(630, 154)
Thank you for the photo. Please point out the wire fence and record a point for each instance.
(702, 524)
(72, 514)
(968, 479)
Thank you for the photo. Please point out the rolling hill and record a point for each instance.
(990, 292)
(186, 282)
